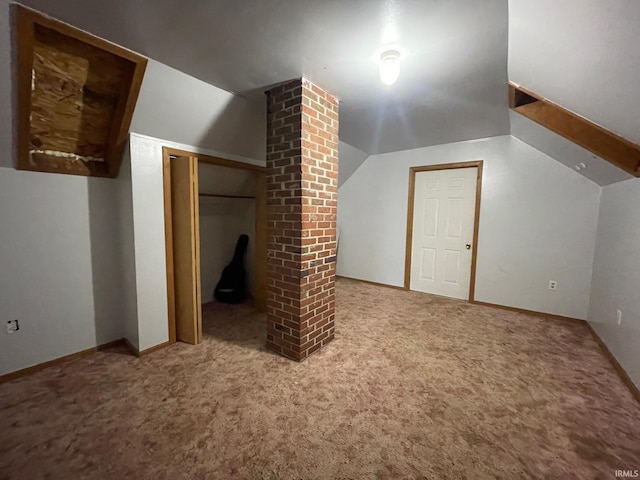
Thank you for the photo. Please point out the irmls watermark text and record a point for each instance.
(627, 473)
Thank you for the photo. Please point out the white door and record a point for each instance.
(442, 239)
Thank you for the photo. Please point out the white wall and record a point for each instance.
(594, 46)
(537, 223)
(183, 109)
(221, 223)
(350, 158)
(581, 54)
(616, 274)
(190, 115)
(148, 224)
(223, 220)
(149, 241)
(59, 250)
(125, 256)
(129, 300)
(58, 241)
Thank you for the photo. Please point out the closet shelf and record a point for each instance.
(219, 195)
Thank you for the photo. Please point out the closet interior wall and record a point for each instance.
(223, 218)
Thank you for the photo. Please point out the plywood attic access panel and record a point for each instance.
(76, 96)
(607, 145)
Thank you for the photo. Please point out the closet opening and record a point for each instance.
(216, 247)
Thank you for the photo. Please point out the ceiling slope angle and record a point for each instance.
(566, 152)
(595, 152)
(578, 62)
(451, 86)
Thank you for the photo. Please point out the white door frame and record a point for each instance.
(476, 219)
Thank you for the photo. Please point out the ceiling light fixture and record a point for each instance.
(389, 66)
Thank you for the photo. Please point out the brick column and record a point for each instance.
(302, 199)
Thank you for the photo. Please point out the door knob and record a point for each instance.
(468, 246)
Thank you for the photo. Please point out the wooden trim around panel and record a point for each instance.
(195, 234)
(476, 230)
(476, 225)
(221, 162)
(168, 239)
(260, 255)
(395, 287)
(606, 144)
(24, 36)
(67, 358)
(167, 154)
(624, 376)
(219, 195)
(123, 116)
(26, 20)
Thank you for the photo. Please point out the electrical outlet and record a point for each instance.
(12, 326)
(553, 285)
(619, 316)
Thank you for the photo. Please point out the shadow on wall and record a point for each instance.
(179, 108)
(105, 251)
(228, 131)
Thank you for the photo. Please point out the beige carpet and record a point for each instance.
(414, 386)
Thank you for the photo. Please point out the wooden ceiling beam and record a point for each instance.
(610, 146)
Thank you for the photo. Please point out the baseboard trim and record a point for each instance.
(132, 349)
(372, 283)
(154, 349)
(7, 377)
(531, 312)
(624, 376)
(143, 353)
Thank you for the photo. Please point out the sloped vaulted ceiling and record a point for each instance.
(583, 55)
(451, 87)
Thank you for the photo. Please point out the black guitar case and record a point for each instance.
(231, 287)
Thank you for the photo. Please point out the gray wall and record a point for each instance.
(537, 223)
(616, 274)
(72, 266)
(177, 107)
(59, 273)
(126, 240)
(179, 111)
(349, 160)
(58, 242)
(581, 54)
(586, 59)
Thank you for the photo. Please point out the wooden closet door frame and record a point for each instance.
(476, 221)
(261, 228)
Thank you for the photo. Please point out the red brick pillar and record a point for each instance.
(302, 200)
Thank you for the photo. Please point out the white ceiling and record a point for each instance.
(452, 85)
(581, 54)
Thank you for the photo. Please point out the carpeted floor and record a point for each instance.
(414, 386)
